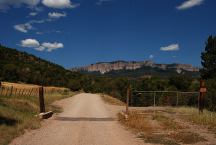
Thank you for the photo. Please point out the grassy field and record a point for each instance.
(18, 113)
(207, 118)
(112, 101)
(172, 126)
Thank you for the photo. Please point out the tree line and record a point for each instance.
(18, 66)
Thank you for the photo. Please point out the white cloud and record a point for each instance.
(40, 48)
(5, 4)
(172, 47)
(39, 33)
(23, 27)
(151, 56)
(189, 4)
(36, 21)
(30, 43)
(33, 13)
(46, 46)
(102, 1)
(60, 4)
(52, 46)
(56, 15)
(28, 26)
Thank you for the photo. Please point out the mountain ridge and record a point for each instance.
(145, 67)
(106, 67)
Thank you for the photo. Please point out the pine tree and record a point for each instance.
(209, 59)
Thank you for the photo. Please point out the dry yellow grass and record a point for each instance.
(158, 128)
(21, 89)
(192, 115)
(137, 122)
(111, 100)
(18, 114)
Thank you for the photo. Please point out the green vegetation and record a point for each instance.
(18, 114)
(18, 66)
(208, 59)
(208, 72)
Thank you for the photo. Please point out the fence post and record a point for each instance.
(41, 99)
(11, 92)
(154, 103)
(177, 98)
(1, 88)
(20, 92)
(15, 94)
(128, 99)
(8, 89)
(201, 96)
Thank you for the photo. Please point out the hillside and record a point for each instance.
(16, 66)
(138, 69)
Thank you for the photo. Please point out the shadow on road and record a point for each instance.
(83, 119)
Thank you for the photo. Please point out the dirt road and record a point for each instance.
(86, 120)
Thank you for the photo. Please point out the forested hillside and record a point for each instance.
(16, 66)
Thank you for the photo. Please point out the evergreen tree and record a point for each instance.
(209, 59)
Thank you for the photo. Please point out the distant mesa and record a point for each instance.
(107, 67)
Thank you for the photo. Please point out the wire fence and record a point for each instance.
(163, 98)
(31, 92)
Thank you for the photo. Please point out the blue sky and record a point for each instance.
(80, 32)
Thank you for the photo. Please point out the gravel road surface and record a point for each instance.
(86, 120)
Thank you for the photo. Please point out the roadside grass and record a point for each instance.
(158, 128)
(167, 123)
(111, 100)
(192, 115)
(18, 114)
(187, 137)
(136, 121)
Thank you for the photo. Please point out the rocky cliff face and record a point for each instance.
(105, 67)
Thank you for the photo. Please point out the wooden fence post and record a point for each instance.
(1, 88)
(41, 99)
(20, 92)
(128, 99)
(177, 98)
(15, 94)
(201, 96)
(11, 92)
(8, 89)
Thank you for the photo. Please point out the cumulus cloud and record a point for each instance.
(28, 26)
(189, 4)
(5, 4)
(52, 46)
(100, 2)
(46, 46)
(30, 43)
(33, 14)
(60, 4)
(172, 47)
(151, 56)
(56, 15)
(23, 27)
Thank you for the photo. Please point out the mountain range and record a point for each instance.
(146, 67)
